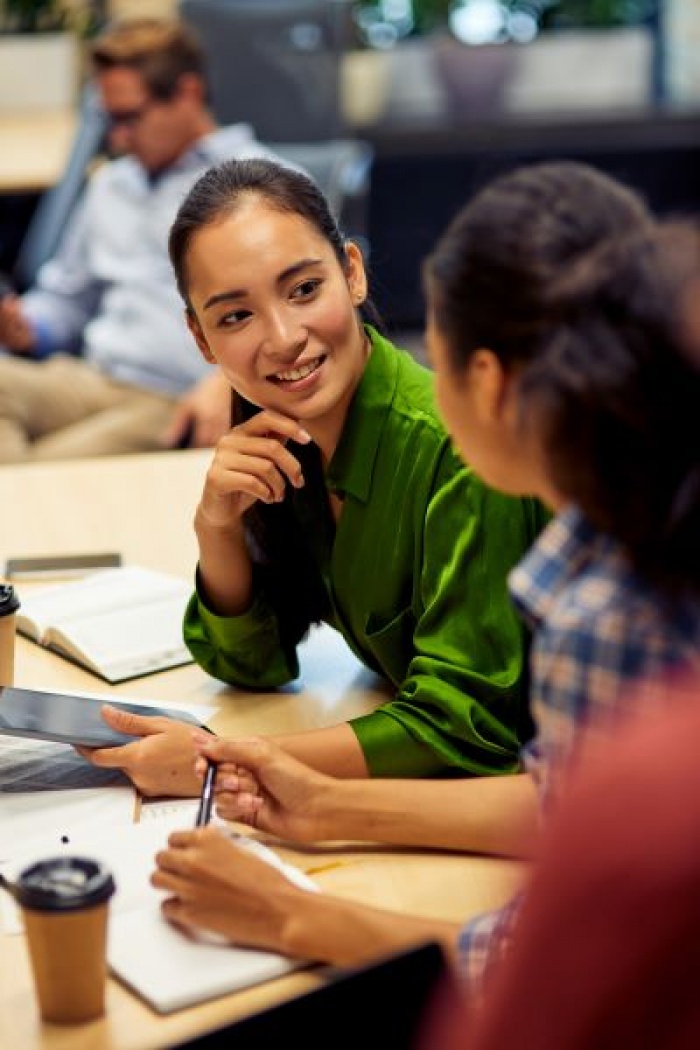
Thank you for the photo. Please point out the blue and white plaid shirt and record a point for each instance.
(604, 644)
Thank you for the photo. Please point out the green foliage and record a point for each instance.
(553, 13)
(32, 16)
(428, 14)
(597, 13)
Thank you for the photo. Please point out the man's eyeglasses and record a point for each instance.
(126, 118)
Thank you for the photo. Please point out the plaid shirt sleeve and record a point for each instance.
(482, 944)
(592, 674)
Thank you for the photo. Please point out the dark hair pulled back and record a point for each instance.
(561, 272)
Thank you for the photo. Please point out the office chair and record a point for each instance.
(274, 63)
(55, 206)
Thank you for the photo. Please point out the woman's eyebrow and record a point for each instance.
(224, 297)
(296, 268)
(240, 293)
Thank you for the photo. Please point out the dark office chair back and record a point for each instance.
(273, 63)
(342, 170)
(55, 206)
(377, 1007)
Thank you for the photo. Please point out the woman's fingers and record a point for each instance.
(238, 780)
(258, 468)
(270, 423)
(243, 807)
(236, 483)
(251, 463)
(258, 455)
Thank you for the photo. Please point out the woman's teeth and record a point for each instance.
(299, 373)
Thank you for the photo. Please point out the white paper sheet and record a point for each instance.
(49, 792)
(52, 820)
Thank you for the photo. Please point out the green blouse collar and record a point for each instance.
(351, 468)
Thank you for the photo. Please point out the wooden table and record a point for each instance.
(33, 149)
(143, 506)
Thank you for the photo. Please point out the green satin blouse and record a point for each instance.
(416, 581)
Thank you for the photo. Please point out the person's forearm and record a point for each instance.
(335, 750)
(493, 815)
(347, 933)
(225, 569)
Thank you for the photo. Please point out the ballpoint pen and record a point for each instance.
(207, 797)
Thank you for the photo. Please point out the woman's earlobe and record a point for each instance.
(357, 276)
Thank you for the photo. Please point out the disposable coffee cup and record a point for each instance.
(64, 902)
(9, 604)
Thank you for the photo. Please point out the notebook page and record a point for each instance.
(168, 968)
(123, 642)
(100, 592)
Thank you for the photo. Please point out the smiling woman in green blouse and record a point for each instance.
(336, 497)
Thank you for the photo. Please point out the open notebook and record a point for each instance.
(164, 966)
(118, 623)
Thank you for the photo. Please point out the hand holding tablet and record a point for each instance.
(69, 719)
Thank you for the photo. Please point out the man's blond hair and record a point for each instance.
(160, 50)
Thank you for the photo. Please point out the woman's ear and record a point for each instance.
(491, 385)
(198, 336)
(355, 273)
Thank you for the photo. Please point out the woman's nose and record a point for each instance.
(286, 336)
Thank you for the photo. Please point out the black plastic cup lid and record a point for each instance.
(64, 884)
(9, 602)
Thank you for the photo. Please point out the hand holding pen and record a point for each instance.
(206, 800)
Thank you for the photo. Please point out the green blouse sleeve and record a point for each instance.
(242, 650)
(461, 706)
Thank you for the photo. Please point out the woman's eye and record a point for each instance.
(233, 317)
(307, 288)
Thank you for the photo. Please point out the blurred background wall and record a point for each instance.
(448, 93)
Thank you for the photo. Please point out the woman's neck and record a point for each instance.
(326, 431)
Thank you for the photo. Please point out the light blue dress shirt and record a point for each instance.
(109, 292)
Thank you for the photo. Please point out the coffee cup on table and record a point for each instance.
(64, 903)
(9, 604)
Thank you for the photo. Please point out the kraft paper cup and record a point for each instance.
(64, 902)
(9, 604)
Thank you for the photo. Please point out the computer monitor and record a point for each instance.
(274, 64)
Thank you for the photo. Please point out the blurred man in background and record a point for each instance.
(99, 358)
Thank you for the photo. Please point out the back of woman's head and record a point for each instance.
(563, 274)
(226, 187)
(490, 274)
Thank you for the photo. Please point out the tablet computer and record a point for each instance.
(68, 719)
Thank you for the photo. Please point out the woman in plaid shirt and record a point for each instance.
(553, 306)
